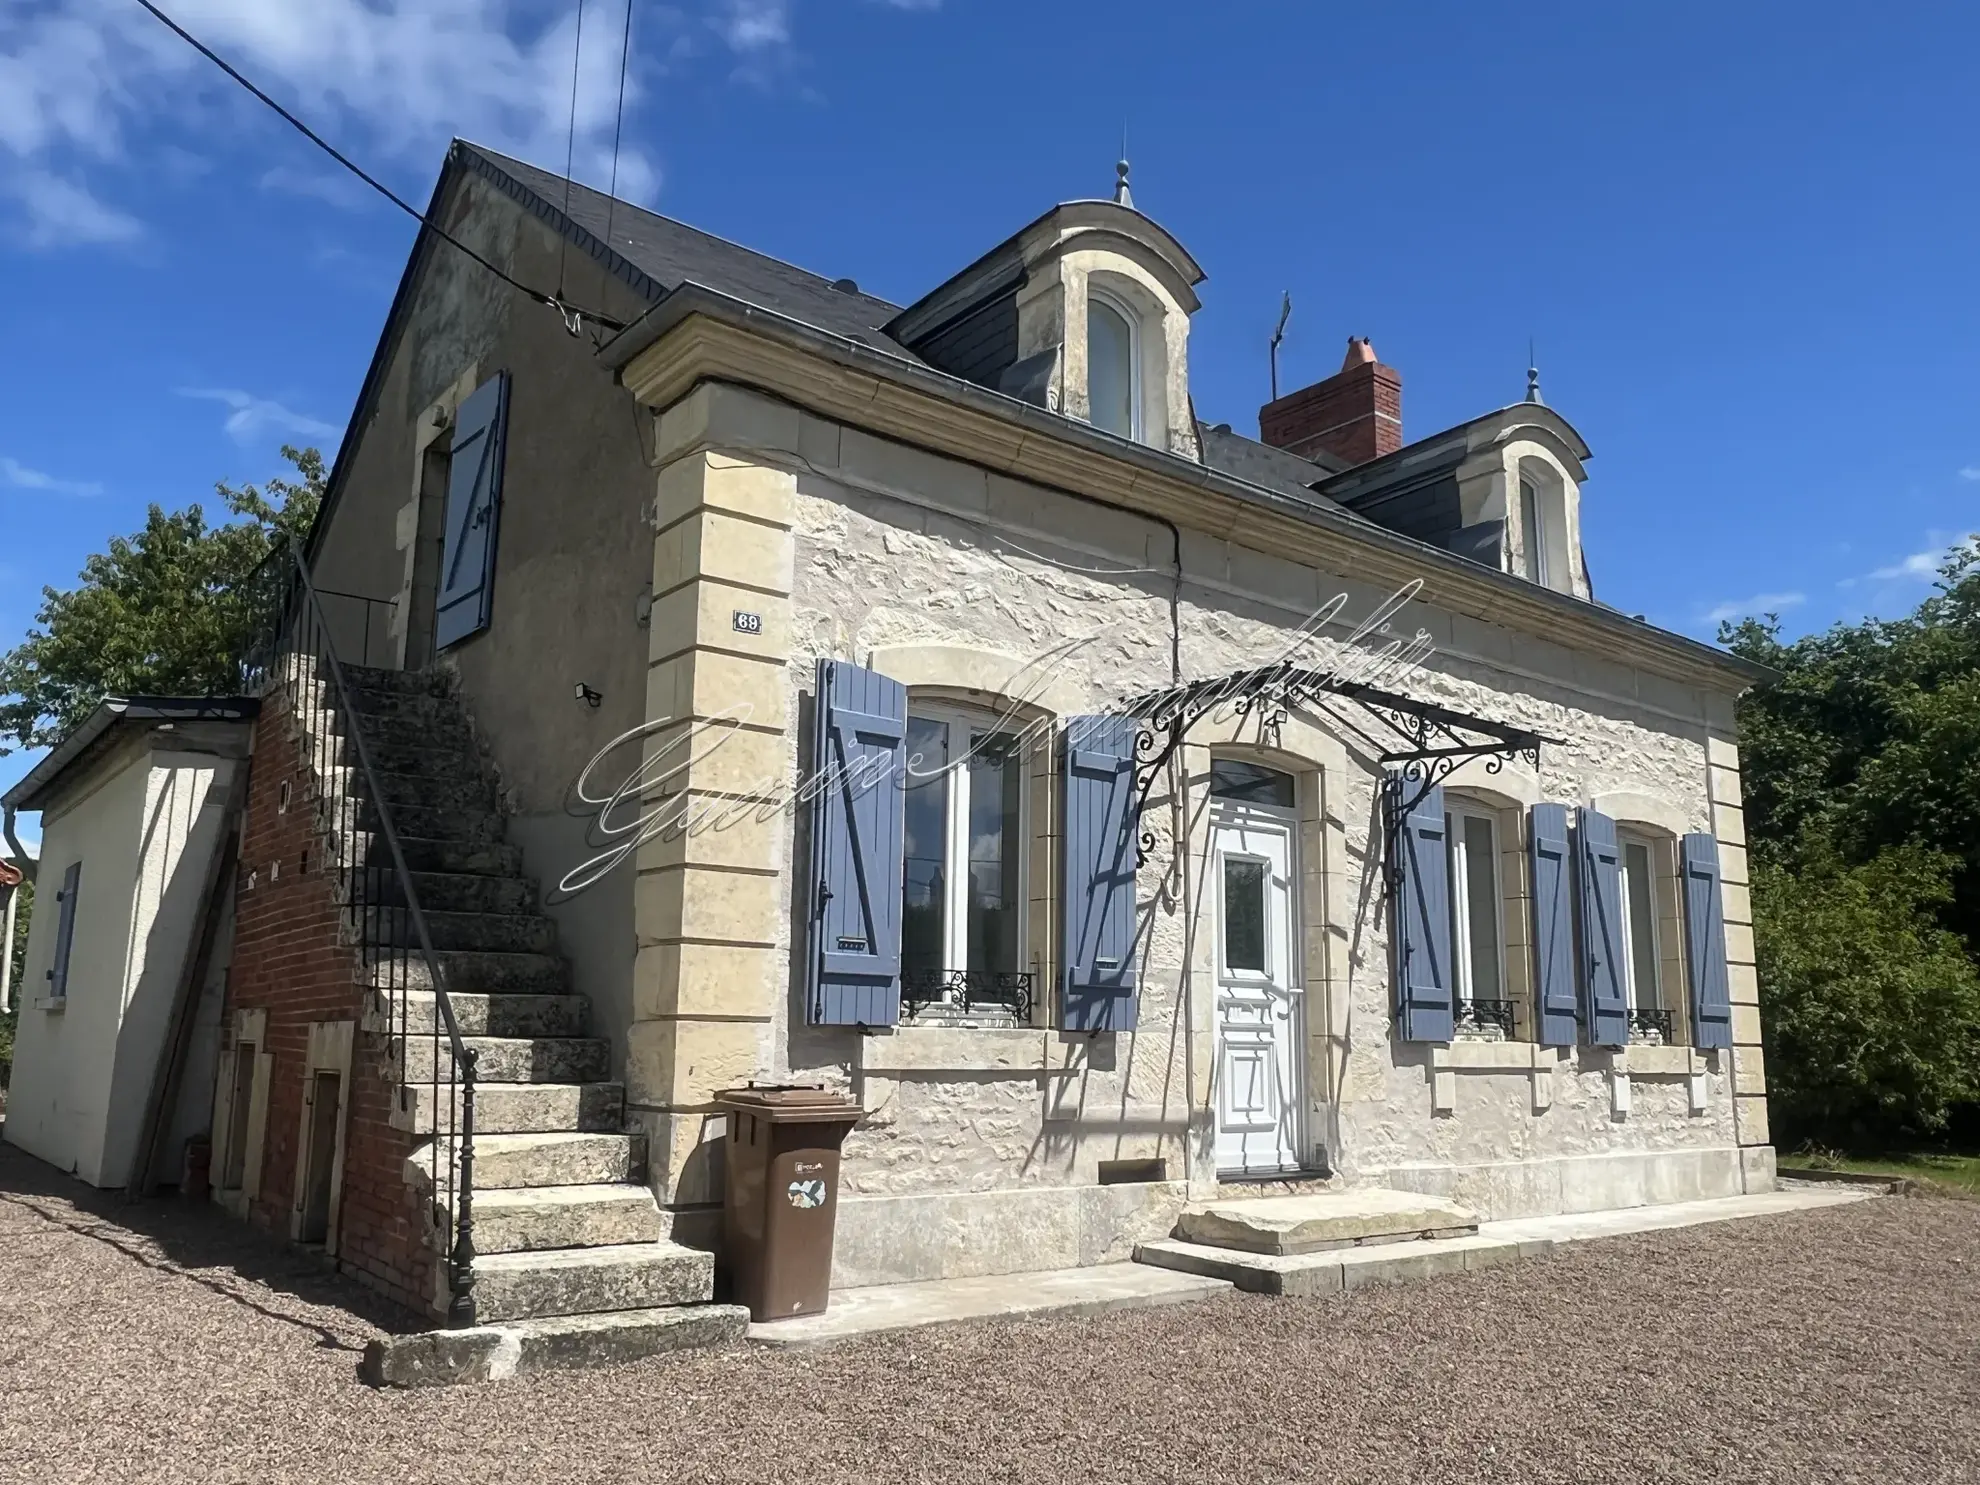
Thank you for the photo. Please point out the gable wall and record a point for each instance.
(573, 559)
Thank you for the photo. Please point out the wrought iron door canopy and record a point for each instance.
(1436, 740)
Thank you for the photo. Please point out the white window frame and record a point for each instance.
(1456, 812)
(1533, 528)
(1633, 992)
(1119, 306)
(961, 721)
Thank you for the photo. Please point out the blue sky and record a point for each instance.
(1741, 236)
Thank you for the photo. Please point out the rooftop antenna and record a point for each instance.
(1532, 375)
(1279, 334)
(1122, 196)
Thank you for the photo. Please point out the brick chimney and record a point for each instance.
(1355, 414)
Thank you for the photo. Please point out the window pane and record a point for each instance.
(1481, 898)
(1529, 521)
(1109, 368)
(995, 774)
(1252, 783)
(924, 888)
(1244, 914)
(1642, 910)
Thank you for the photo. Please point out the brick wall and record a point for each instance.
(1356, 414)
(289, 959)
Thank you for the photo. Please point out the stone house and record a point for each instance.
(766, 681)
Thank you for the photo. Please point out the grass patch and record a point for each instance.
(1959, 1174)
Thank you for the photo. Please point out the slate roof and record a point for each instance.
(671, 253)
(1261, 464)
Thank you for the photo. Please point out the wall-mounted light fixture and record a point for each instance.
(585, 696)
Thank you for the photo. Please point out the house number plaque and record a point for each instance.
(747, 622)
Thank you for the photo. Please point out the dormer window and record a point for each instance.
(1113, 367)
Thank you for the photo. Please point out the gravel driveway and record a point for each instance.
(156, 1344)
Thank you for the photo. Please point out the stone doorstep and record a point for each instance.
(492, 1353)
(1062, 1293)
(1331, 1272)
(1323, 1221)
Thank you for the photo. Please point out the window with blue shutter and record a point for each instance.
(1551, 857)
(1705, 942)
(474, 505)
(1605, 1004)
(859, 746)
(65, 931)
(1098, 853)
(1420, 912)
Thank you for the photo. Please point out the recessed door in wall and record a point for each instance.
(1260, 1072)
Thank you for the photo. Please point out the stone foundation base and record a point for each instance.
(902, 1239)
(1587, 1183)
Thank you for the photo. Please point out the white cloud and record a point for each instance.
(61, 213)
(754, 25)
(20, 477)
(1917, 565)
(90, 89)
(252, 418)
(1970, 472)
(1759, 603)
(85, 84)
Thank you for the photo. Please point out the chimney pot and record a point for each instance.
(1355, 414)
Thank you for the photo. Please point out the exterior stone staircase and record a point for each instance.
(564, 1225)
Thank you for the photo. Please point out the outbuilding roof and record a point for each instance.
(89, 737)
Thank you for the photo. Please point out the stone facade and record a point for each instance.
(958, 582)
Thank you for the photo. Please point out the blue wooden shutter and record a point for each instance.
(1098, 853)
(474, 504)
(1551, 857)
(859, 747)
(1420, 913)
(65, 931)
(1705, 943)
(1604, 1004)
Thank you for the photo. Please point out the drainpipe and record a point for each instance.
(26, 865)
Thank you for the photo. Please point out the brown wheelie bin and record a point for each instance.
(782, 1195)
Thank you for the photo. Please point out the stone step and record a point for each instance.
(1336, 1269)
(426, 856)
(389, 736)
(398, 682)
(531, 1218)
(406, 705)
(516, 1108)
(1316, 1223)
(587, 1281)
(500, 933)
(492, 1353)
(505, 1162)
(508, 1059)
(465, 892)
(462, 787)
(479, 826)
(414, 1011)
(471, 972)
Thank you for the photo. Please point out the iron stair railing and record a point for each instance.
(381, 904)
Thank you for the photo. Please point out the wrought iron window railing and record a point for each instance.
(1483, 1017)
(965, 992)
(1654, 1026)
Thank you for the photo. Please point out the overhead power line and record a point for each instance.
(572, 316)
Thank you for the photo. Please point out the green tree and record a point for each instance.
(1870, 1007)
(1861, 778)
(166, 611)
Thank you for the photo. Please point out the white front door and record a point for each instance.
(1260, 1027)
